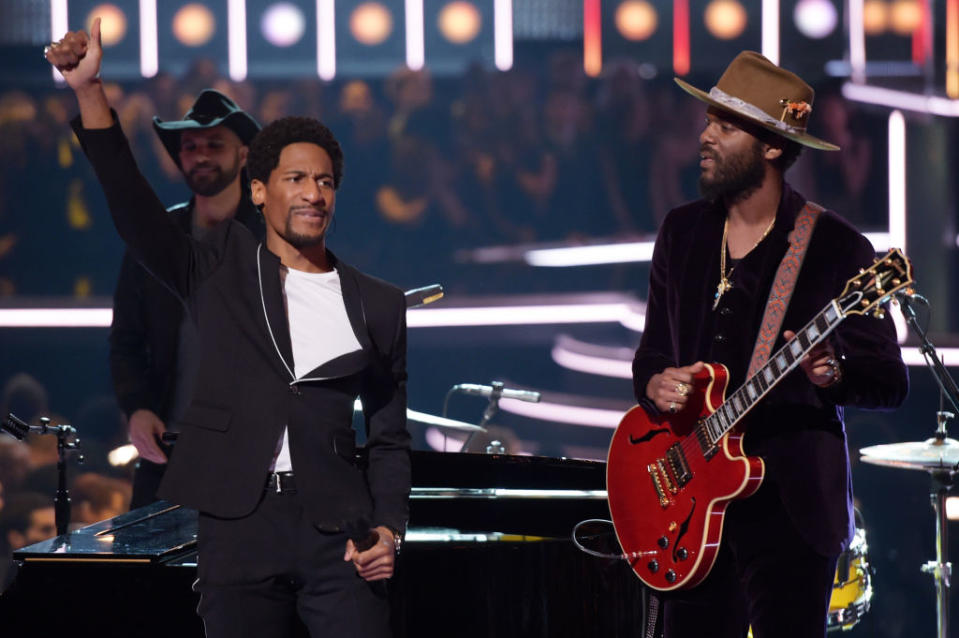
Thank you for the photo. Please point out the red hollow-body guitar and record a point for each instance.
(670, 477)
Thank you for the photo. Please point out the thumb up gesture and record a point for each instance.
(77, 56)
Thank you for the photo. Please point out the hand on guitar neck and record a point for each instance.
(821, 365)
(670, 389)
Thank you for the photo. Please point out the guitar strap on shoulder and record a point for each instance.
(783, 285)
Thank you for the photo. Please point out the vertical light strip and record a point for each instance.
(325, 39)
(503, 34)
(59, 25)
(897, 180)
(771, 30)
(149, 49)
(857, 41)
(952, 48)
(922, 36)
(415, 49)
(236, 34)
(681, 58)
(592, 37)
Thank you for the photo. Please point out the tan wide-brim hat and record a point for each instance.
(757, 90)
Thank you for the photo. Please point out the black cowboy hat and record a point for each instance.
(210, 109)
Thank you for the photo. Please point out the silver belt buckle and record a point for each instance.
(276, 479)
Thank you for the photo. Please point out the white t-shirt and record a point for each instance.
(320, 331)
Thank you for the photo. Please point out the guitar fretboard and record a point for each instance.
(713, 427)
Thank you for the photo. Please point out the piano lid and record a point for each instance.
(157, 533)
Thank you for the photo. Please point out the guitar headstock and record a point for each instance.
(874, 286)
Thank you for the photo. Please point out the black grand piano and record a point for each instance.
(488, 554)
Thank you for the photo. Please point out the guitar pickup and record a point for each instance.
(705, 442)
(678, 464)
(667, 477)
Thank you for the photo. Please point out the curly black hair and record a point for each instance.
(266, 147)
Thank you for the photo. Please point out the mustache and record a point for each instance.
(204, 167)
(705, 151)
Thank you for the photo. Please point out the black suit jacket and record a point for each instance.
(797, 428)
(245, 392)
(145, 332)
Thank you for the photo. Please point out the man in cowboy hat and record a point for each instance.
(152, 342)
(714, 264)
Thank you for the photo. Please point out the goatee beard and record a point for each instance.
(736, 178)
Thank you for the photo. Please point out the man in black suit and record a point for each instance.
(289, 336)
(152, 341)
(713, 267)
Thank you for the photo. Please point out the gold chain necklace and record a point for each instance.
(724, 283)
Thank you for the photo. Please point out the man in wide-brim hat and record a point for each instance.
(152, 344)
(715, 265)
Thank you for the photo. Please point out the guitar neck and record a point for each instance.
(740, 402)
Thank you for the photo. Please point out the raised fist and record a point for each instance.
(77, 56)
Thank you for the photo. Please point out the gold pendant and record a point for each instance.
(721, 289)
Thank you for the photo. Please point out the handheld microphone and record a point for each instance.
(362, 535)
(497, 388)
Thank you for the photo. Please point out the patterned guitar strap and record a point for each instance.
(782, 289)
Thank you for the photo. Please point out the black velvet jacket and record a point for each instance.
(797, 428)
(245, 393)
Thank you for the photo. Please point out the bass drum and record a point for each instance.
(852, 587)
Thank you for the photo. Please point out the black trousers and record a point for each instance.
(147, 477)
(765, 576)
(258, 573)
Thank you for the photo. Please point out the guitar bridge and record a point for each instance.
(653, 470)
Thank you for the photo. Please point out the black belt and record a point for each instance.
(280, 482)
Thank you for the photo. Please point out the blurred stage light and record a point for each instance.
(194, 25)
(459, 22)
(815, 18)
(371, 23)
(725, 19)
(113, 23)
(283, 24)
(875, 17)
(636, 19)
(905, 16)
(123, 455)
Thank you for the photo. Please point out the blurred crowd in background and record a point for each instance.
(434, 166)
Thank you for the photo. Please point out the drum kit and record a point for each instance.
(939, 456)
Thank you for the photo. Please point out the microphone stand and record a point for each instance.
(492, 407)
(942, 479)
(19, 429)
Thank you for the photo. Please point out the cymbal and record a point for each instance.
(442, 422)
(930, 455)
